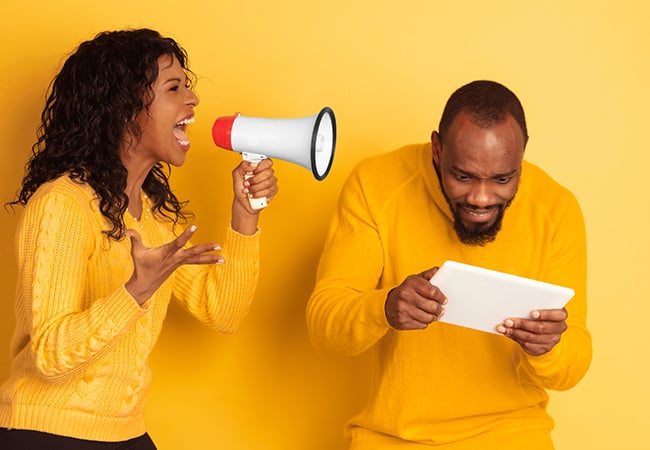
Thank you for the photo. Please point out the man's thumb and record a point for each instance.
(427, 274)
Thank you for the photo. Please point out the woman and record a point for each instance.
(90, 302)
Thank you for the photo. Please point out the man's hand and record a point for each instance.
(415, 303)
(538, 335)
(152, 266)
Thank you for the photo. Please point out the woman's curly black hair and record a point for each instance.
(90, 111)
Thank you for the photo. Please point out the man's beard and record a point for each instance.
(482, 235)
(477, 236)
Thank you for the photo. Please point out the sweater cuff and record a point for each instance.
(123, 309)
(242, 246)
(376, 309)
(543, 363)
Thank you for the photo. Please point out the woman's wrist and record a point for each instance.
(243, 221)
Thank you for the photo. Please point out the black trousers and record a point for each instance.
(35, 440)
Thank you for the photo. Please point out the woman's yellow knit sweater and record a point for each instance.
(81, 342)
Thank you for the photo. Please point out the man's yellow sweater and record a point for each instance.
(81, 342)
(446, 386)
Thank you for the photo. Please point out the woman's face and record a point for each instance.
(164, 124)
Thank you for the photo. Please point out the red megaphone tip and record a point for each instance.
(222, 130)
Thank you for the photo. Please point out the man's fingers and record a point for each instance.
(415, 303)
(426, 316)
(416, 314)
(534, 326)
(428, 306)
(429, 296)
(553, 315)
(538, 335)
(535, 344)
(523, 335)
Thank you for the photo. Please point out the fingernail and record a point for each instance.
(217, 247)
(509, 323)
(193, 228)
(535, 314)
(501, 329)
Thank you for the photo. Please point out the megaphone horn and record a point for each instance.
(307, 141)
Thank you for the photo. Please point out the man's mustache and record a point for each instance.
(474, 207)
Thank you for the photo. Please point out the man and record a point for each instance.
(467, 196)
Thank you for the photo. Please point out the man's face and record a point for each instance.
(479, 170)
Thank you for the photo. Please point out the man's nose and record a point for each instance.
(480, 195)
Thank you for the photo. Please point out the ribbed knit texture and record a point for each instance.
(446, 385)
(81, 343)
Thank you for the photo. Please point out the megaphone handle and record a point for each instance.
(256, 203)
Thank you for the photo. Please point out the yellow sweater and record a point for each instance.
(81, 342)
(446, 386)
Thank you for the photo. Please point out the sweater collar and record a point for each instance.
(433, 182)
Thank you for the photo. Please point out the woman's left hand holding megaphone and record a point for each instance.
(251, 180)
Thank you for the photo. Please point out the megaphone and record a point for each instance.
(307, 141)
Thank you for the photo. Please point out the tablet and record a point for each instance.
(481, 299)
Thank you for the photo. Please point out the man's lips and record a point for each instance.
(478, 215)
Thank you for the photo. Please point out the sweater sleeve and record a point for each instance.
(565, 365)
(219, 295)
(345, 313)
(67, 329)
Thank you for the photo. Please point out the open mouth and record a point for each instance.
(479, 216)
(180, 131)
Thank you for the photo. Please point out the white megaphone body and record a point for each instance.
(307, 141)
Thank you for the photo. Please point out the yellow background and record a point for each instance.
(386, 68)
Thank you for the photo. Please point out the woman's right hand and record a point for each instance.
(251, 180)
(152, 266)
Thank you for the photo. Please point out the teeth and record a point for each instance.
(186, 121)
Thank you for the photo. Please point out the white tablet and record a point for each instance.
(480, 298)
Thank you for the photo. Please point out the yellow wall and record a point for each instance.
(386, 68)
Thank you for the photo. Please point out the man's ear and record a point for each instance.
(436, 147)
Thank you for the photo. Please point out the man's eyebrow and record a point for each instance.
(498, 175)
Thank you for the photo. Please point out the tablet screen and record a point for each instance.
(481, 299)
